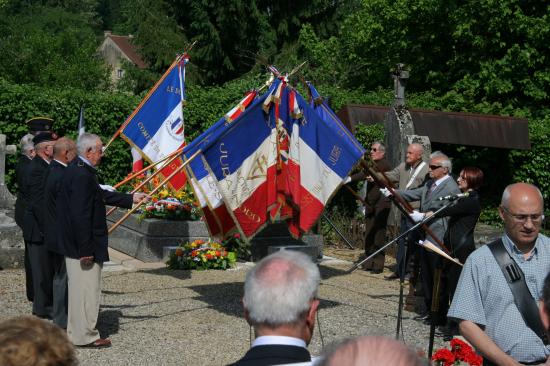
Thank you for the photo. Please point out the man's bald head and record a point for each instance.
(64, 150)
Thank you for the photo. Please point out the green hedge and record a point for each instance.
(105, 112)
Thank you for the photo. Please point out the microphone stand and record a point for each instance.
(338, 231)
(402, 274)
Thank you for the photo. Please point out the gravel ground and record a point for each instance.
(164, 317)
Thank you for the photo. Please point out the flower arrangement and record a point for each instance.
(201, 255)
(460, 354)
(166, 203)
(172, 205)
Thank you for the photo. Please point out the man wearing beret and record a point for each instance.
(33, 225)
(39, 124)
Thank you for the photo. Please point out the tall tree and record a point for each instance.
(51, 47)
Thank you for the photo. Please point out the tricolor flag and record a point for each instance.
(322, 153)
(156, 127)
(81, 126)
(218, 219)
(236, 157)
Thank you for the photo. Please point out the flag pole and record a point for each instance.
(172, 157)
(176, 61)
(138, 205)
(150, 166)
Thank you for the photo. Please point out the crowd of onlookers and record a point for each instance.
(492, 300)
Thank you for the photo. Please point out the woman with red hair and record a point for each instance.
(459, 237)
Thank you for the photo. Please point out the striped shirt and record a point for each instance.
(484, 297)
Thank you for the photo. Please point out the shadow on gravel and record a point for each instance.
(176, 273)
(108, 322)
(226, 298)
(223, 297)
(328, 272)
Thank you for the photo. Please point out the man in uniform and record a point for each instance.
(64, 151)
(33, 231)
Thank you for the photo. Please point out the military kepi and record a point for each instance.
(44, 137)
(38, 124)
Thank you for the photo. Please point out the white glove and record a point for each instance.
(417, 216)
(385, 192)
(347, 180)
(107, 187)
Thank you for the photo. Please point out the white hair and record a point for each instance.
(381, 145)
(26, 143)
(444, 160)
(86, 142)
(277, 296)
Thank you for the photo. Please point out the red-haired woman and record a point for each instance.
(459, 237)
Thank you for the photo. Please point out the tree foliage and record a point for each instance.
(50, 46)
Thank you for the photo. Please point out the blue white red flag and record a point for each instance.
(217, 217)
(239, 157)
(156, 127)
(322, 153)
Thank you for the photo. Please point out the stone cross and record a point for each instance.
(400, 77)
(6, 198)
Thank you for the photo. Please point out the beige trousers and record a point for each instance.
(84, 296)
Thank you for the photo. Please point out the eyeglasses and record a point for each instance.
(374, 149)
(434, 167)
(535, 218)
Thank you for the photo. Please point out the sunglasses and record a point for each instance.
(434, 167)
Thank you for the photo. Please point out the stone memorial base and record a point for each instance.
(12, 246)
(152, 240)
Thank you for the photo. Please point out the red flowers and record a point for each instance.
(460, 351)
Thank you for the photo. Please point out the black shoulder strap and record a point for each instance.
(522, 297)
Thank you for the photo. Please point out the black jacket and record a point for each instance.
(21, 171)
(463, 218)
(273, 355)
(52, 187)
(33, 223)
(81, 224)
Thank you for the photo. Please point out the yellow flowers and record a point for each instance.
(201, 254)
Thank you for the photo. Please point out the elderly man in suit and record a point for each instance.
(280, 302)
(83, 238)
(64, 151)
(440, 184)
(409, 174)
(33, 225)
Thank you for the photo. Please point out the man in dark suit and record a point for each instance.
(83, 238)
(22, 172)
(440, 184)
(33, 225)
(280, 302)
(64, 151)
(377, 209)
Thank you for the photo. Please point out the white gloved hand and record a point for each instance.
(107, 187)
(417, 216)
(385, 192)
(347, 180)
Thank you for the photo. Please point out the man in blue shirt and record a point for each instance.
(484, 305)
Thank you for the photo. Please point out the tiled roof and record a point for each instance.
(126, 46)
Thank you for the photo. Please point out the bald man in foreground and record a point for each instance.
(484, 304)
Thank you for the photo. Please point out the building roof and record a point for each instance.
(124, 43)
(450, 127)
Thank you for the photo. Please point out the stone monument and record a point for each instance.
(11, 240)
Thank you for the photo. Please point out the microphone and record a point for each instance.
(453, 197)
